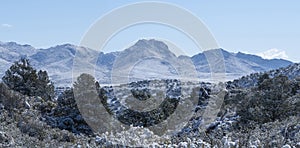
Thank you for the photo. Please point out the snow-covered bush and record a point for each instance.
(269, 101)
(10, 99)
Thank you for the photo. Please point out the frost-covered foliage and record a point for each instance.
(139, 90)
(263, 115)
(67, 116)
(269, 112)
(10, 99)
(292, 72)
(71, 104)
(273, 99)
(147, 118)
(23, 78)
(28, 129)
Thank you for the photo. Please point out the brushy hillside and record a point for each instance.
(260, 110)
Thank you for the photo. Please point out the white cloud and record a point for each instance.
(273, 54)
(6, 25)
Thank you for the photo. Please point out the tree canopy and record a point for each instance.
(22, 77)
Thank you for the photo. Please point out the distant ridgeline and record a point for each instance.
(58, 61)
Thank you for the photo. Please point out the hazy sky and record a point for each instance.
(268, 28)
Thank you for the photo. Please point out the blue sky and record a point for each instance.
(252, 26)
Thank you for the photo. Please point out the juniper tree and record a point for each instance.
(45, 87)
(23, 78)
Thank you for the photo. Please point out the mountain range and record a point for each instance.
(146, 59)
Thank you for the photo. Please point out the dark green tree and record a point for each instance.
(73, 106)
(23, 78)
(262, 78)
(45, 87)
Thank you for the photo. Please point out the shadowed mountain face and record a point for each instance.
(146, 59)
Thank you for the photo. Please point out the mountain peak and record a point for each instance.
(150, 47)
(67, 45)
(10, 43)
(14, 44)
(151, 43)
(141, 42)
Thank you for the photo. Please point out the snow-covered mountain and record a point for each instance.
(240, 63)
(58, 61)
(10, 52)
(146, 59)
(149, 59)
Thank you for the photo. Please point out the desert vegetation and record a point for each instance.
(263, 114)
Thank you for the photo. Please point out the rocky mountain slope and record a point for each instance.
(146, 59)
